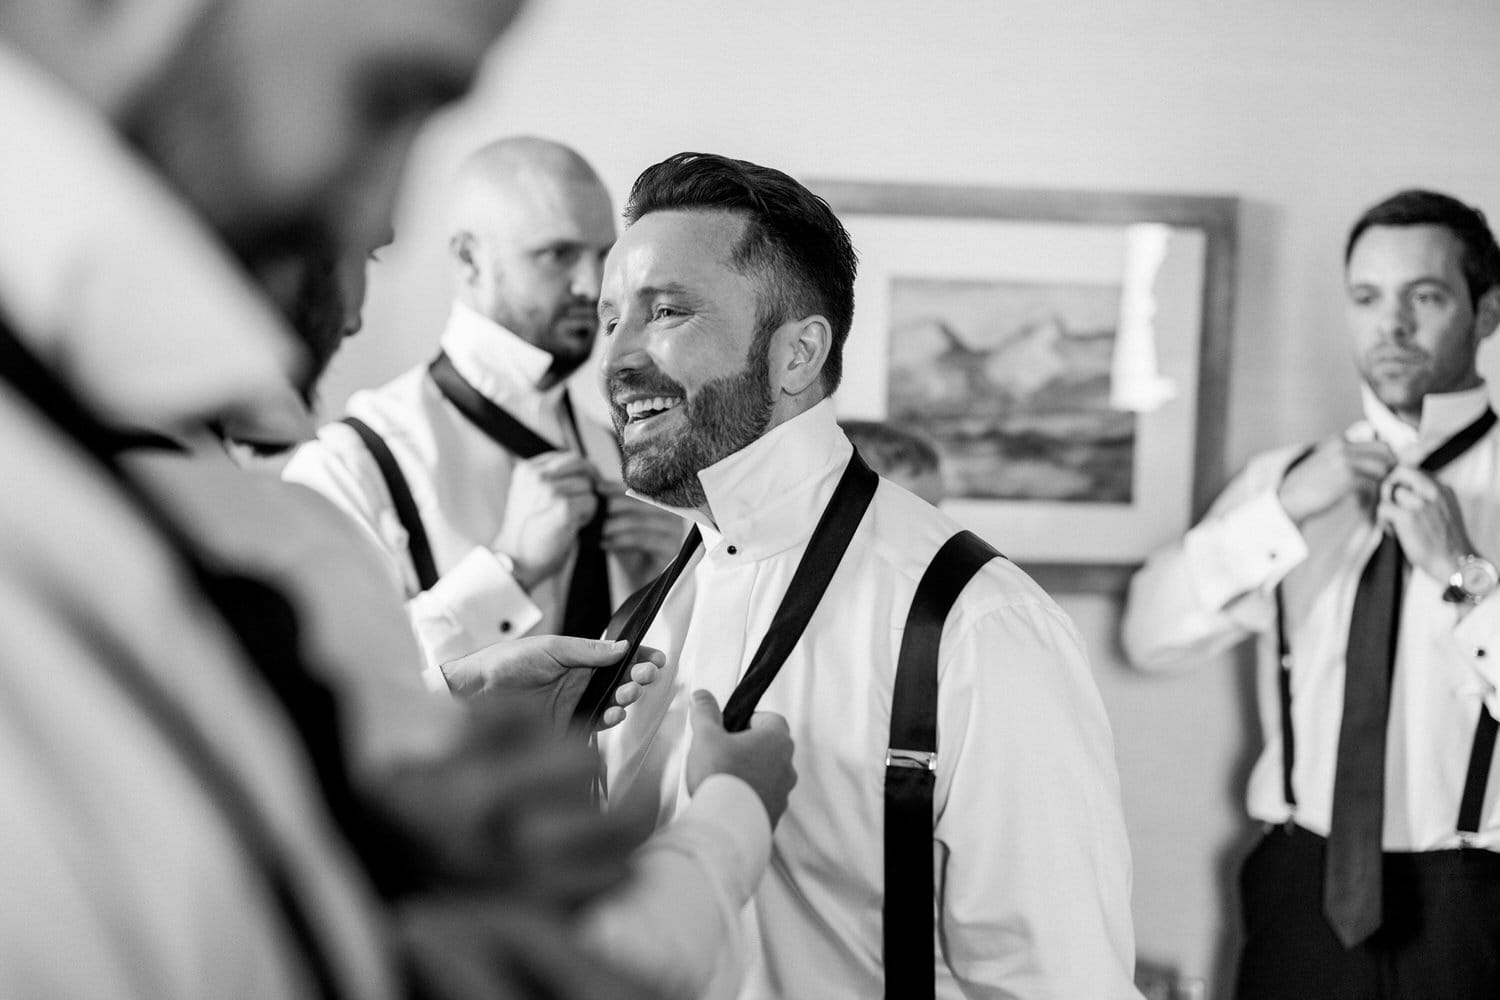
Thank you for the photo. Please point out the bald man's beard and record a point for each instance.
(722, 417)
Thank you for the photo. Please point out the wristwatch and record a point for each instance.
(1475, 579)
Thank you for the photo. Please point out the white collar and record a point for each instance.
(502, 366)
(1443, 414)
(111, 280)
(768, 496)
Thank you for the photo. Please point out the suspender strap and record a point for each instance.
(910, 771)
(1284, 674)
(1481, 756)
(401, 498)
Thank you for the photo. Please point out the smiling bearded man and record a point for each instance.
(721, 418)
(725, 306)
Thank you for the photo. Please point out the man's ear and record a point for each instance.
(1487, 313)
(464, 247)
(798, 356)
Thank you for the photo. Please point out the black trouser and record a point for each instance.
(1439, 940)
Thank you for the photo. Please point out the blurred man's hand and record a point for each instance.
(551, 498)
(1337, 468)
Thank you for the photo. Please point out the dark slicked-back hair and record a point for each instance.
(1415, 207)
(793, 243)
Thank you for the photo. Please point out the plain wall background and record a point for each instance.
(1308, 111)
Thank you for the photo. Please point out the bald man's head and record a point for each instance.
(531, 225)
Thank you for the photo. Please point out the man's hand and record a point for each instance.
(761, 756)
(551, 497)
(1336, 469)
(641, 537)
(545, 675)
(1425, 516)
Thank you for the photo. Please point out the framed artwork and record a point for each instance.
(1066, 351)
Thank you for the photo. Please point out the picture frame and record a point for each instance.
(1067, 350)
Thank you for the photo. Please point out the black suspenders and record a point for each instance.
(911, 771)
(401, 500)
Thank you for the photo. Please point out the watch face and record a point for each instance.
(1478, 576)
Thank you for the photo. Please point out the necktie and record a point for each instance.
(825, 549)
(1352, 891)
(588, 604)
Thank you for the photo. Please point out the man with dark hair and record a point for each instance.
(725, 307)
(1363, 566)
(515, 502)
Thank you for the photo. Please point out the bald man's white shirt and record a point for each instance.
(459, 479)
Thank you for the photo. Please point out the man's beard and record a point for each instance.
(724, 416)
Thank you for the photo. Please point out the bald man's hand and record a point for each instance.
(761, 756)
(552, 496)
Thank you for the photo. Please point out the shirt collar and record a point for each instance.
(494, 360)
(769, 495)
(124, 292)
(1443, 415)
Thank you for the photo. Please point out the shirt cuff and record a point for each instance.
(1478, 636)
(1251, 547)
(476, 603)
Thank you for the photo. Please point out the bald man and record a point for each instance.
(516, 523)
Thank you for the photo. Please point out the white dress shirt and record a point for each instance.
(1215, 588)
(1029, 843)
(459, 479)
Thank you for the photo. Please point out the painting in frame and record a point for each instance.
(1067, 352)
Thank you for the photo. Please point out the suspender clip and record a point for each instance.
(910, 758)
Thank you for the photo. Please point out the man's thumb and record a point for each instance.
(706, 711)
(573, 651)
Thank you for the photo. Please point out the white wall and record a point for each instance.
(1308, 111)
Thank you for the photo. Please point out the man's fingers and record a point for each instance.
(705, 713)
(572, 651)
(769, 720)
